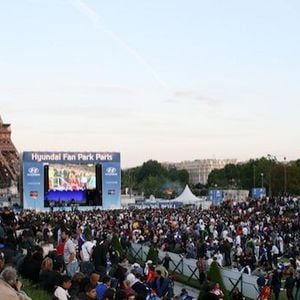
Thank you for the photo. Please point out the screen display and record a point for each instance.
(74, 177)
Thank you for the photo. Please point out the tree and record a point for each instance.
(116, 245)
(152, 186)
(152, 255)
(151, 168)
(129, 178)
(266, 171)
(205, 288)
(152, 178)
(214, 275)
(217, 177)
(200, 189)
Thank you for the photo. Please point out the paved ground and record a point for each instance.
(191, 291)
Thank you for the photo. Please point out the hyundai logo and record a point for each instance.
(111, 170)
(33, 170)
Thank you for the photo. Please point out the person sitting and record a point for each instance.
(265, 293)
(94, 279)
(184, 295)
(47, 276)
(10, 286)
(237, 295)
(127, 287)
(89, 294)
(109, 294)
(78, 284)
(61, 292)
(218, 291)
(32, 264)
(102, 287)
(139, 287)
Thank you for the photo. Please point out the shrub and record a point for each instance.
(205, 289)
(116, 245)
(152, 255)
(214, 275)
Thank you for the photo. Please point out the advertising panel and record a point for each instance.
(111, 174)
(259, 193)
(216, 196)
(33, 185)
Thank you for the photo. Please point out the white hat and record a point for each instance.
(149, 262)
(136, 265)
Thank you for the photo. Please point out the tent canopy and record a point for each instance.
(187, 197)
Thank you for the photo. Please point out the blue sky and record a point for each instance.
(163, 79)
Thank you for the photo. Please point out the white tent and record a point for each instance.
(187, 197)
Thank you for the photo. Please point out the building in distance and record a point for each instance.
(199, 169)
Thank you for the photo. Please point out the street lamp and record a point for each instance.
(232, 181)
(285, 175)
(262, 179)
(254, 175)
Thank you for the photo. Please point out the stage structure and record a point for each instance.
(71, 179)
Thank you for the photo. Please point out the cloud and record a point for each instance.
(171, 101)
(195, 96)
(14, 89)
(96, 87)
(101, 88)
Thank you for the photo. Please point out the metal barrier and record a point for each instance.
(187, 266)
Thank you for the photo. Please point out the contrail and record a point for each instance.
(83, 7)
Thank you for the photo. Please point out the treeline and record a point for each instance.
(277, 177)
(152, 178)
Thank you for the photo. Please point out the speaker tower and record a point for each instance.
(46, 178)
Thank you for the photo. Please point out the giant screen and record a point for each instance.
(72, 177)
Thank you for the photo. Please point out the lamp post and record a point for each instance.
(285, 175)
(130, 184)
(254, 175)
(262, 180)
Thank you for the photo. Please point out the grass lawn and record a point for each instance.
(33, 291)
(36, 293)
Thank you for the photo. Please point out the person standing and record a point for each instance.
(201, 265)
(166, 261)
(297, 283)
(69, 253)
(87, 266)
(274, 253)
(289, 285)
(161, 284)
(276, 284)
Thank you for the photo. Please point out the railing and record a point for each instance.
(187, 267)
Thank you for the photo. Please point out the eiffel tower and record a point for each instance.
(9, 157)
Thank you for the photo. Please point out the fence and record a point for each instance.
(187, 266)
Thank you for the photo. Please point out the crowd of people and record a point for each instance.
(70, 253)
